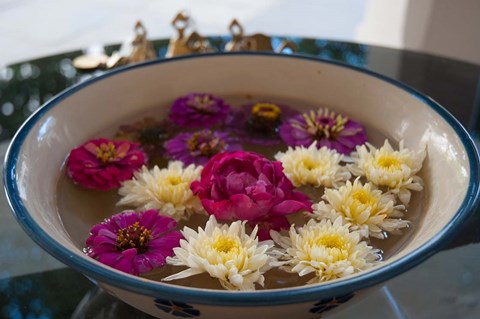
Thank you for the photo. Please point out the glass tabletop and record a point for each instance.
(35, 285)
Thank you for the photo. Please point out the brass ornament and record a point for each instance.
(182, 44)
(137, 50)
(140, 49)
(254, 42)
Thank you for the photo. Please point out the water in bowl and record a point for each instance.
(80, 209)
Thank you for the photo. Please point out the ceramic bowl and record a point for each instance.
(386, 107)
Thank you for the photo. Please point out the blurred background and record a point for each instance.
(34, 28)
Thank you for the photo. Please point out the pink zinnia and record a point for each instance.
(103, 164)
(247, 186)
(135, 243)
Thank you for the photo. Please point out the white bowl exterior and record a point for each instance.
(306, 310)
(369, 100)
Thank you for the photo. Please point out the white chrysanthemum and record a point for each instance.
(387, 167)
(313, 167)
(330, 251)
(364, 207)
(167, 190)
(225, 252)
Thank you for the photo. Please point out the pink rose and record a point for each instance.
(103, 164)
(247, 186)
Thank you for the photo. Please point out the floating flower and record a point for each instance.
(198, 110)
(329, 251)
(247, 186)
(150, 133)
(313, 167)
(167, 190)
(328, 129)
(387, 167)
(363, 207)
(258, 123)
(132, 242)
(199, 147)
(225, 252)
(103, 164)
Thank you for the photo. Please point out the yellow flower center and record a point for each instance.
(264, 119)
(174, 180)
(205, 143)
(134, 236)
(202, 103)
(332, 241)
(309, 164)
(363, 197)
(389, 162)
(106, 152)
(225, 244)
(322, 124)
(266, 111)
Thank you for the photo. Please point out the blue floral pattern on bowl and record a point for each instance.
(176, 308)
(330, 303)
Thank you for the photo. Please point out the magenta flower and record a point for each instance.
(199, 147)
(327, 128)
(135, 243)
(258, 123)
(198, 110)
(247, 186)
(103, 164)
(272, 222)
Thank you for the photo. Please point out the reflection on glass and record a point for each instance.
(44, 295)
(97, 304)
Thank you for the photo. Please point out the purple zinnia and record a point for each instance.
(132, 242)
(334, 131)
(198, 110)
(199, 147)
(258, 123)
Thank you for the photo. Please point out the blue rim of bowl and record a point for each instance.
(294, 295)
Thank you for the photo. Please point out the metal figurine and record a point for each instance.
(142, 48)
(181, 44)
(254, 42)
(137, 50)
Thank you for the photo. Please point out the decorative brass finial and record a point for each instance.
(142, 48)
(137, 50)
(238, 42)
(254, 42)
(182, 44)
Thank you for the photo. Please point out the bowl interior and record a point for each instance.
(387, 110)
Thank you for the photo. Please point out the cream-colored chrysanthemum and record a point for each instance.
(225, 252)
(313, 167)
(387, 167)
(329, 250)
(364, 207)
(167, 190)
